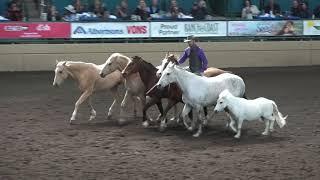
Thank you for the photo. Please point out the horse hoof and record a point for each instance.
(145, 124)
(70, 122)
(265, 133)
(162, 127)
(196, 135)
(190, 129)
(92, 118)
(236, 136)
(121, 122)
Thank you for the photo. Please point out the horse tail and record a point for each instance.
(281, 121)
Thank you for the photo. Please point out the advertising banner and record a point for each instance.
(265, 28)
(34, 30)
(110, 30)
(185, 28)
(311, 27)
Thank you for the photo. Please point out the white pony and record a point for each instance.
(198, 91)
(242, 109)
(89, 81)
(133, 83)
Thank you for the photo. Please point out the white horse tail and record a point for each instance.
(278, 116)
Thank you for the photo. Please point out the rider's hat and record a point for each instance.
(190, 38)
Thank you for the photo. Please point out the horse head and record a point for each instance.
(132, 67)
(115, 62)
(167, 76)
(61, 73)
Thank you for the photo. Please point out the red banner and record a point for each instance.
(35, 30)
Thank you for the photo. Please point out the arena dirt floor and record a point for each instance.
(36, 141)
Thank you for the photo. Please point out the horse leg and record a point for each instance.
(134, 101)
(160, 108)
(271, 129)
(232, 123)
(82, 98)
(266, 130)
(240, 121)
(115, 95)
(163, 123)
(205, 110)
(200, 122)
(176, 114)
(122, 107)
(145, 119)
(93, 112)
(185, 112)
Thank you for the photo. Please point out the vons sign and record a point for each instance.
(137, 29)
(110, 30)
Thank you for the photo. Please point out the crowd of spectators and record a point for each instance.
(199, 11)
(299, 9)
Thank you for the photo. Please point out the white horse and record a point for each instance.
(89, 81)
(133, 83)
(198, 91)
(257, 109)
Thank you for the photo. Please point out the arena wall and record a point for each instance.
(42, 57)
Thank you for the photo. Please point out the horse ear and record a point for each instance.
(57, 62)
(64, 63)
(167, 55)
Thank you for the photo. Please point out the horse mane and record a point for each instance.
(117, 55)
(148, 66)
(173, 58)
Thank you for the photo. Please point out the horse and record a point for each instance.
(148, 76)
(133, 83)
(209, 72)
(256, 109)
(89, 82)
(199, 91)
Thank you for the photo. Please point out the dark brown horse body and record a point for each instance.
(148, 75)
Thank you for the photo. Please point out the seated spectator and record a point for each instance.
(272, 8)
(70, 14)
(53, 14)
(295, 9)
(174, 12)
(305, 13)
(17, 2)
(122, 11)
(316, 12)
(249, 10)
(154, 7)
(107, 16)
(141, 11)
(14, 13)
(199, 10)
(98, 9)
(174, 4)
(79, 7)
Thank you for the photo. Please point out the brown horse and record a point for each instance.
(148, 76)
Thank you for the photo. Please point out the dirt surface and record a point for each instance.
(36, 141)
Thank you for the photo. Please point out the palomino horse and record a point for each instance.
(148, 76)
(133, 84)
(198, 91)
(209, 72)
(89, 81)
(255, 109)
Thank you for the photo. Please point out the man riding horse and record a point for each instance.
(198, 62)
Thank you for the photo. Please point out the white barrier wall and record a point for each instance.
(42, 57)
